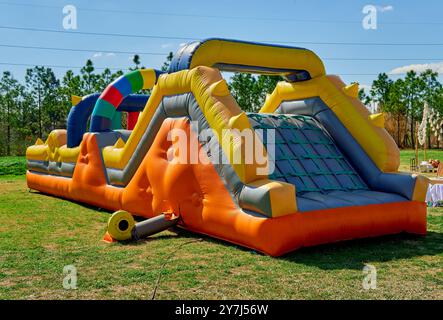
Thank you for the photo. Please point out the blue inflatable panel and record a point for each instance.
(78, 115)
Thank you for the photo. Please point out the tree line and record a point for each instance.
(32, 110)
(403, 101)
(42, 103)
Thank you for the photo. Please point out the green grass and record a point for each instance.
(406, 155)
(40, 234)
(12, 166)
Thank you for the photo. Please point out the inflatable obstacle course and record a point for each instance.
(323, 169)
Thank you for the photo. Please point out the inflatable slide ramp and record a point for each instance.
(312, 167)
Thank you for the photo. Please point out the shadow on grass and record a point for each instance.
(176, 233)
(352, 254)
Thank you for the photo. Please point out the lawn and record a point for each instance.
(12, 166)
(39, 235)
(406, 155)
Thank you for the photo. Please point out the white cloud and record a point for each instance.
(99, 55)
(385, 8)
(166, 45)
(436, 67)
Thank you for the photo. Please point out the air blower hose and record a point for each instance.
(122, 226)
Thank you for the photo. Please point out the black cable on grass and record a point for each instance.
(157, 283)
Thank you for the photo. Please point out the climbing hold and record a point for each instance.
(119, 143)
(220, 88)
(378, 119)
(75, 100)
(351, 90)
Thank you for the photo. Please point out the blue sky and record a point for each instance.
(315, 24)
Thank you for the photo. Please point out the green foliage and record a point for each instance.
(11, 93)
(250, 91)
(137, 63)
(432, 89)
(166, 64)
(42, 88)
(406, 97)
(43, 103)
(89, 78)
(366, 99)
(380, 90)
(12, 166)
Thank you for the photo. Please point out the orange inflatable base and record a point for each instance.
(277, 236)
(197, 193)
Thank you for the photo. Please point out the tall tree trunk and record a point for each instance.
(8, 128)
(398, 129)
(412, 132)
(39, 114)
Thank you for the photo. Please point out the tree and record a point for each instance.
(167, 63)
(396, 105)
(431, 87)
(26, 125)
(412, 90)
(34, 88)
(44, 102)
(137, 63)
(105, 78)
(363, 97)
(10, 91)
(250, 91)
(407, 97)
(243, 88)
(438, 101)
(89, 79)
(266, 85)
(71, 85)
(380, 89)
(43, 86)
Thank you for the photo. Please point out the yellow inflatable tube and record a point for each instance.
(54, 149)
(218, 106)
(232, 55)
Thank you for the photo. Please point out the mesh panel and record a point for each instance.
(306, 156)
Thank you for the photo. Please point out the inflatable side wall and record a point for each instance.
(330, 174)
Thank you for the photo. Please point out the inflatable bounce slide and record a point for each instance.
(321, 167)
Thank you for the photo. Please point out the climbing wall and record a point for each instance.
(306, 155)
